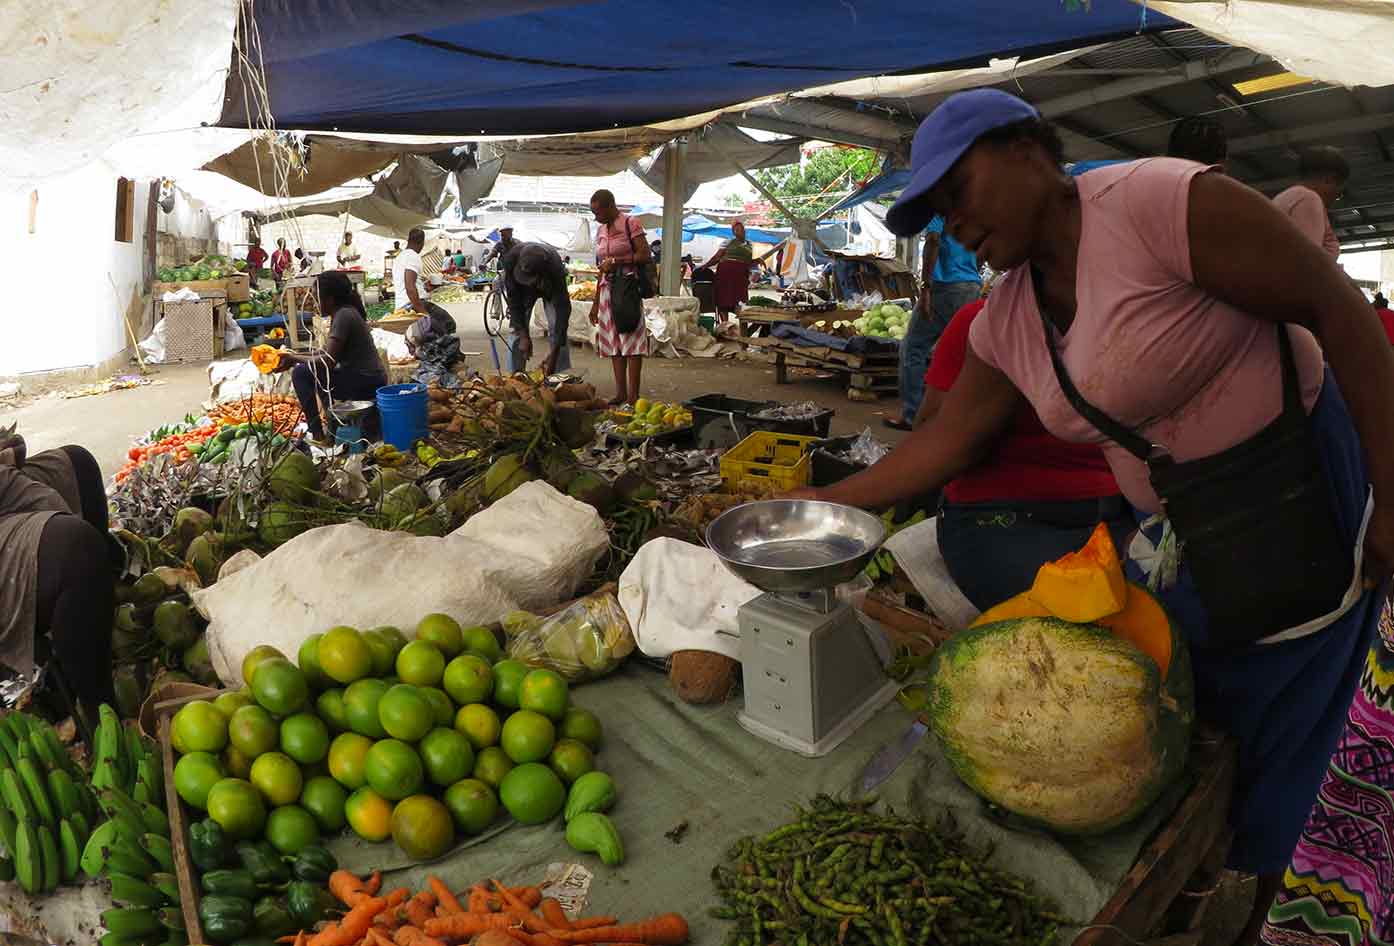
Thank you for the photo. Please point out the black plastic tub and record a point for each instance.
(721, 422)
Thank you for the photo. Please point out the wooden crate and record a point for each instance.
(189, 888)
(869, 377)
(239, 288)
(200, 286)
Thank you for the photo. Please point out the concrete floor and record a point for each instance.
(106, 424)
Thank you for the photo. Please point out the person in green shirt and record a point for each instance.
(732, 264)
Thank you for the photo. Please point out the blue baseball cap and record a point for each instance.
(942, 138)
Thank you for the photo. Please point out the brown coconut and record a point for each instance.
(700, 676)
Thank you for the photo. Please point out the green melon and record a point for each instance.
(1067, 725)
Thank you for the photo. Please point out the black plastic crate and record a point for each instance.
(829, 469)
(815, 426)
(721, 422)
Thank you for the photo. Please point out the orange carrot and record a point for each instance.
(461, 925)
(528, 938)
(324, 936)
(478, 900)
(532, 896)
(354, 926)
(374, 882)
(396, 898)
(411, 936)
(591, 922)
(379, 939)
(420, 908)
(668, 929)
(348, 888)
(554, 914)
(444, 897)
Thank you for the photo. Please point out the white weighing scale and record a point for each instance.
(810, 674)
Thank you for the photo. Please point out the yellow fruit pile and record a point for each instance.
(652, 417)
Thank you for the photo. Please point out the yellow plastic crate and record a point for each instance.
(768, 460)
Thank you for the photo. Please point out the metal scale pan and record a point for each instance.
(810, 674)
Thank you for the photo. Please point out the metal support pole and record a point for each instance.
(670, 275)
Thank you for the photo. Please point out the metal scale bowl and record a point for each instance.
(348, 419)
(810, 674)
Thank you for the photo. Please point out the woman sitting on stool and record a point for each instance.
(349, 368)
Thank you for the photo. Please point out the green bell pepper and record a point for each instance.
(207, 845)
(271, 918)
(264, 863)
(224, 918)
(232, 883)
(314, 863)
(309, 902)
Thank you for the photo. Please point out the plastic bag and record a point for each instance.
(587, 640)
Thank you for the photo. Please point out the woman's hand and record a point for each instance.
(809, 493)
(284, 362)
(594, 316)
(605, 265)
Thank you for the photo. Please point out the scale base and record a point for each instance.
(811, 676)
(829, 741)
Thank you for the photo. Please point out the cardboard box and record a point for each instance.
(239, 287)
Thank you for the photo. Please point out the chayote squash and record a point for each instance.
(590, 832)
(594, 791)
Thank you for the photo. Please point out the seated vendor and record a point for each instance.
(56, 569)
(349, 368)
(1032, 499)
(533, 271)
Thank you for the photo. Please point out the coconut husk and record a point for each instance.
(702, 677)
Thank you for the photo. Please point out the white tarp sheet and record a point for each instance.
(80, 77)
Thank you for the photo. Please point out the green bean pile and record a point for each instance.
(842, 873)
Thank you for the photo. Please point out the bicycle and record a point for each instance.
(495, 319)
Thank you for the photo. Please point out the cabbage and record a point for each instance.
(891, 309)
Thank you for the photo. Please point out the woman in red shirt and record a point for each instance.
(1031, 500)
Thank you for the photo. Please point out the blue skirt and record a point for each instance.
(1285, 703)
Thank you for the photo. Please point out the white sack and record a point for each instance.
(527, 551)
(916, 551)
(153, 345)
(678, 596)
(237, 378)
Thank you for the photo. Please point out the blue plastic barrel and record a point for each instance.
(402, 409)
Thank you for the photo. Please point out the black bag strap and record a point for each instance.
(1125, 437)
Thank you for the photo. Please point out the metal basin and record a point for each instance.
(350, 410)
(795, 544)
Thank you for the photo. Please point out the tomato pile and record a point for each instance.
(176, 444)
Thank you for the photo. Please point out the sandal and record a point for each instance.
(895, 423)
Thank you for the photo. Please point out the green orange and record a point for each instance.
(290, 829)
(252, 731)
(491, 765)
(348, 754)
(527, 736)
(581, 725)
(344, 655)
(443, 631)
(472, 804)
(545, 692)
(469, 679)
(441, 705)
(195, 774)
(230, 701)
(508, 682)
(304, 738)
(369, 815)
(481, 641)
(324, 798)
(422, 827)
(571, 759)
(393, 769)
(480, 724)
(280, 687)
(237, 808)
(277, 777)
(532, 793)
(308, 660)
(201, 727)
(405, 714)
(254, 658)
(330, 707)
(383, 653)
(361, 707)
(236, 763)
(421, 663)
(446, 755)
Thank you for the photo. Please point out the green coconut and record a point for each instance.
(385, 482)
(127, 619)
(205, 556)
(174, 624)
(423, 524)
(164, 678)
(189, 523)
(403, 501)
(282, 521)
(592, 489)
(462, 504)
(198, 664)
(148, 589)
(559, 468)
(505, 475)
(574, 427)
(232, 523)
(632, 487)
(293, 478)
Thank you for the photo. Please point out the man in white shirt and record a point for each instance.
(347, 254)
(408, 283)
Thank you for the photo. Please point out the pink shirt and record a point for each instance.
(1147, 346)
(1305, 208)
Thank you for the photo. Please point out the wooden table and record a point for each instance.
(869, 376)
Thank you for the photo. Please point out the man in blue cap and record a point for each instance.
(949, 280)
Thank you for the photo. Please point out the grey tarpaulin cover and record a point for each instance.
(677, 763)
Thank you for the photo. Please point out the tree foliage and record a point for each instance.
(820, 181)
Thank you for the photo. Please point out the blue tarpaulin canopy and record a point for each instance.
(696, 225)
(465, 67)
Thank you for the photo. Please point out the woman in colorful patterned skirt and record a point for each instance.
(619, 243)
(1339, 888)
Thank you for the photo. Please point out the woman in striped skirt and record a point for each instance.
(620, 242)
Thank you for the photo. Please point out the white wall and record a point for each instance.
(72, 283)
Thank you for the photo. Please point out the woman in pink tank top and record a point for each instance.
(1162, 290)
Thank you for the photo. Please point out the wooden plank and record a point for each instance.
(179, 825)
(1174, 852)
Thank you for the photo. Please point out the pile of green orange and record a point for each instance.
(410, 740)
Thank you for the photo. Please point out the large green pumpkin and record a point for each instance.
(1067, 725)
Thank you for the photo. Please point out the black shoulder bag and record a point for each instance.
(1254, 522)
